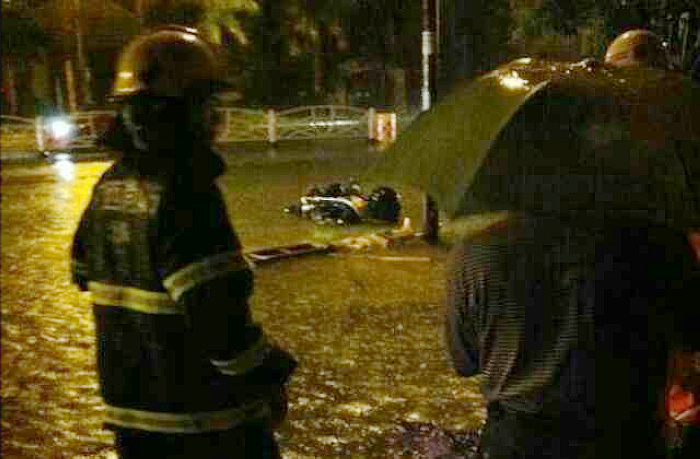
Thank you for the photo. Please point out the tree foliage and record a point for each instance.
(306, 46)
(565, 16)
(21, 34)
(475, 39)
(181, 12)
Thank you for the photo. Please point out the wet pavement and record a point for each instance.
(373, 381)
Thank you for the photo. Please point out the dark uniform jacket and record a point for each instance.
(571, 327)
(177, 349)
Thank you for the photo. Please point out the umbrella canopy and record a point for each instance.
(575, 139)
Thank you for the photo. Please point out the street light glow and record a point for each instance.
(513, 81)
(60, 128)
(64, 166)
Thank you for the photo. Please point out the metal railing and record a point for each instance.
(298, 123)
(320, 122)
(81, 130)
(241, 125)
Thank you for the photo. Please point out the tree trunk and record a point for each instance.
(318, 65)
(70, 85)
(12, 89)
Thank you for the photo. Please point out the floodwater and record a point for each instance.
(374, 380)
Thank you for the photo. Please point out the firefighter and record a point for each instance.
(184, 370)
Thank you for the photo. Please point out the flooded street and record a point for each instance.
(374, 379)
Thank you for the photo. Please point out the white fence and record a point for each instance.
(81, 130)
(241, 125)
(321, 122)
(299, 123)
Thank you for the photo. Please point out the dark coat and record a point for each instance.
(178, 351)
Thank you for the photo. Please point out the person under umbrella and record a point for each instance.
(569, 302)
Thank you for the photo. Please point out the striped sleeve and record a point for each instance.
(460, 334)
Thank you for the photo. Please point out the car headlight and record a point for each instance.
(60, 128)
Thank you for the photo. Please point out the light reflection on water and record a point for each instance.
(64, 166)
(50, 402)
(367, 334)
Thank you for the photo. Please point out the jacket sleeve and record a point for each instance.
(78, 255)
(680, 271)
(462, 290)
(204, 269)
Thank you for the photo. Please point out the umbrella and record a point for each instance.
(575, 139)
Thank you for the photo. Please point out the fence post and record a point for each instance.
(431, 222)
(227, 124)
(39, 127)
(271, 126)
(93, 128)
(371, 113)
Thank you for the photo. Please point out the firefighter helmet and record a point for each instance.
(168, 62)
(637, 48)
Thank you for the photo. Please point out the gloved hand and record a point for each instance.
(279, 366)
(278, 405)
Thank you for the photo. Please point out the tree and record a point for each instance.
(675, 20)
(475, 39)
(21, 34)
(289, 39)
(182, 12)
(298, 51)
(307, 46)
(22, 39)
(365, 32)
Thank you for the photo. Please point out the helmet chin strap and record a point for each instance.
(167, 128)
(136, 131)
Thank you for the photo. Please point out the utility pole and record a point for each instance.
(428, 51)
(139, 7)
(429, 12)
(83, 64)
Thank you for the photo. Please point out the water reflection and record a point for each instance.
(64, 166)
(368, 334)
(51, 406)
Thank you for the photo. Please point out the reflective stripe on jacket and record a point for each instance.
(147, 302)
(187, 422)
(202, 271)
